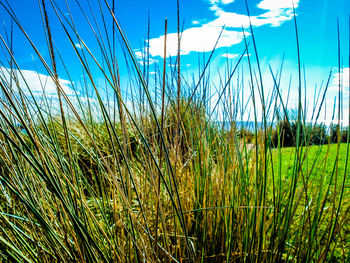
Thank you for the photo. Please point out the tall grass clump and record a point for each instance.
(141, 170)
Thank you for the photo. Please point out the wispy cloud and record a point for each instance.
(142, 58)
(344, 80)
(202, 38)
(224, 2)
(37, 83)
(199, 39)
(229, 55)
(78, 45)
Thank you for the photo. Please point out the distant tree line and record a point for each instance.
(285, 134)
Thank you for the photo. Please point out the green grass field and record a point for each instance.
(318, 161)
(323, 174)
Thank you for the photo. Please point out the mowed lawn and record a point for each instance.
(317, 160)
(321, 176)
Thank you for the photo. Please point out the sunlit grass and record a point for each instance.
(154, 177)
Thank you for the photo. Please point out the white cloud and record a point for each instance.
(278, 4)
(150, 61)
(138, 54)
(37, 83)
(224, 2)
(199, 39)
(228, 55)
(344, 80)
(273, 17)
(202, 38)
(141, 58)
(78, 45)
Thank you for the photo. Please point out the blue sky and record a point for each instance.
(202, 21)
